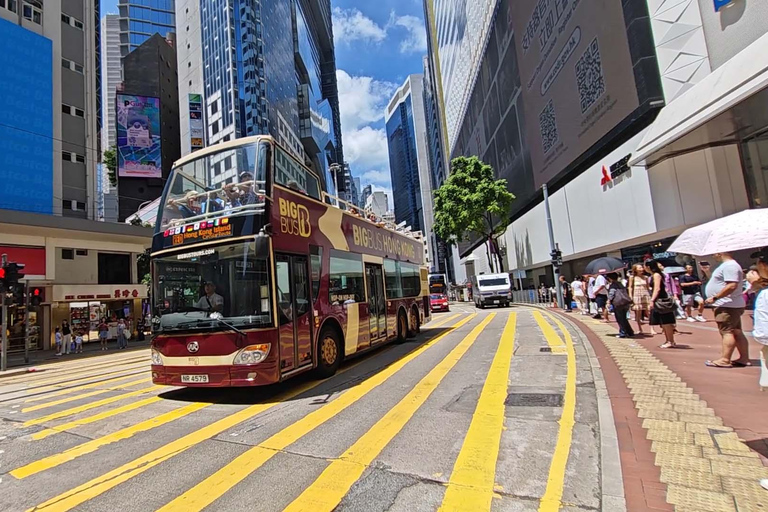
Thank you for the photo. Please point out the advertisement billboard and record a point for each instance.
(577, 76)
(138, 137)
(196, 128)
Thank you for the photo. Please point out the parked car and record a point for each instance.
(438, 302)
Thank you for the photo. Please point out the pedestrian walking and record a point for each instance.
(79, 342)
(619, 298)
(58, 338)
(590, 293)
(66, 341)
(691, 288)
(662, 305)
(567, 294)
(578, 290)
(121, 340)
(601, 297)
(103, 333)
(724, 291)
(641, 296)
(758, 282)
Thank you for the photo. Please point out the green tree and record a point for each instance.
(110, 161)
(468, 203)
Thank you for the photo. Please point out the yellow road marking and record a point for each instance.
(213, 487)
(92, 405)
(99, 485)
(78, 388)
(93, 445)
(84, 395)
(553, 340)
(550, 501)
(473, 477)
(94, 418)
(334, 482)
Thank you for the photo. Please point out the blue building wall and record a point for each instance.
(26, 129)
(148, 17)
(403, 165)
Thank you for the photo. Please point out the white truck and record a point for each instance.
(491, 290)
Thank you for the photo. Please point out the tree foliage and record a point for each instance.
(110, 162)
(473, 202)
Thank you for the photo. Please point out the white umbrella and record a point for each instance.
(743, 230)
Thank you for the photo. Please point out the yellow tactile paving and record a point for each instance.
(705, 465)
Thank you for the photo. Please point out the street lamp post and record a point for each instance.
(554, 250)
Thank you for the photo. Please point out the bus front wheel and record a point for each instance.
(329, 353)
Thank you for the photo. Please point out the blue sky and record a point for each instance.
(378, 44)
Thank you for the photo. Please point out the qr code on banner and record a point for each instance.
(548, 127)
(589, 76)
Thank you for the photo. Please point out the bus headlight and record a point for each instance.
(252, 354)
(157, 359)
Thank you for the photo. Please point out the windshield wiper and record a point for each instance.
(231, 327)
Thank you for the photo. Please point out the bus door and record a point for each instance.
(377, 304)
(294, 311)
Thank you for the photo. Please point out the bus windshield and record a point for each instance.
(229, 182)
(212, 287)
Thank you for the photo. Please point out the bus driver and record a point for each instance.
(211, 301)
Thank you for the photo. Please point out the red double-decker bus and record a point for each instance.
(259, 275)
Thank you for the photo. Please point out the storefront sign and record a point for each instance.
(720, 4)
(98, 292)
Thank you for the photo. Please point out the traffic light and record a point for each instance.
(2, 279)
(557, 257)
(37, 296)
(13, 273)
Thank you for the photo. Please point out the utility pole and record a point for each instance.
(4, 349)
(554, 249)
(26, 322)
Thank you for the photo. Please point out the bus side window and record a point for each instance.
(316, 264)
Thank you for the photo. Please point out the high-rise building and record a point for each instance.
(111, 76)
(269, 67)
(377, 203)
(365, 194)
(409, 159)
(140, 19)
(350, 192)
(150, 76)
(189, 55)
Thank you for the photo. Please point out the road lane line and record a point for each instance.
(553, 340)
(88, 394)
(327, 491)
(91, 446)
(474, 472)
(74, 389)
(94, 418)
(89, 406)
(213, 487)
(44, 375)
(61, 380)
(550, 501)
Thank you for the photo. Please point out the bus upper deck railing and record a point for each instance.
(370, 216)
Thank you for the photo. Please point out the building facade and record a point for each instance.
(377, 203)
(587, 117)
(111, 76)
(365, 194)
(288, 45)
(150, 71)
(140, 19)
(351, 192)
(189, 55)
(409, 167)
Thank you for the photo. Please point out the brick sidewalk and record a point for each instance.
(693, 421)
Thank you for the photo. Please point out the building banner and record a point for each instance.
(138, 137)
(196, 128)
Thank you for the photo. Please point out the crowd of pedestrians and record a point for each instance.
(70, 341)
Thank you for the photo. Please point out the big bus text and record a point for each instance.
(258, 277)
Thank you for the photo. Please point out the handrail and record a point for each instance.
(370, 216)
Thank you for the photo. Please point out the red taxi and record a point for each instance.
(438, 302)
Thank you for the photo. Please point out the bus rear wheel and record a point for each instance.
(329, 353)
(414, 325)
(402, 327)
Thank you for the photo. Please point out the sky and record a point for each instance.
(378, 44)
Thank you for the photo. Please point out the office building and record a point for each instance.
(350, 192)
(378, 204)
(622, 181)
(48, 170)
(141, 19)
(291, 95)
(111, 75)
(150, 78)
(189, 55)
(409, 159)
(365, 194)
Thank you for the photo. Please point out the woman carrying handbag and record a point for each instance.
(662, 305)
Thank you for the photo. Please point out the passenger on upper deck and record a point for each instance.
(243, 193)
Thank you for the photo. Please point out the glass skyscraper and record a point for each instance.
(141, 19)
(288, 44)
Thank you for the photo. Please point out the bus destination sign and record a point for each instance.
(198, 232)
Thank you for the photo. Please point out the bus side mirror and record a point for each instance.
(261, 245)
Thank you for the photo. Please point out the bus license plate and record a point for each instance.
(194, 379)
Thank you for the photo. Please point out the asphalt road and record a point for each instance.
(484, 410)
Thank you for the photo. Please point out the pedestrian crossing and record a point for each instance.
(120, 439)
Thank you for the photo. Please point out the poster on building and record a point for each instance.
(138, 137)
(196, 128)
(577, 77)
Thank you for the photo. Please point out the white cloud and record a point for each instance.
(366, 149)
(350, 25)
(415, 40)
(362, 99)
(376, 177)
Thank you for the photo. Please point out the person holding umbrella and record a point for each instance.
(724, 291)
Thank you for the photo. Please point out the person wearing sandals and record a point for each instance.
(641, 297)
(724, 290)
(664, 318)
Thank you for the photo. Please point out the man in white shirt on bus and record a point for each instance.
(211, 301)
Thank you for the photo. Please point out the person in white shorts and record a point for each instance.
(691, 286)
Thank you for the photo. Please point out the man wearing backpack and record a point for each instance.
(619, 298)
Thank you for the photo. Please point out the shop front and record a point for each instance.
(84, 307)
